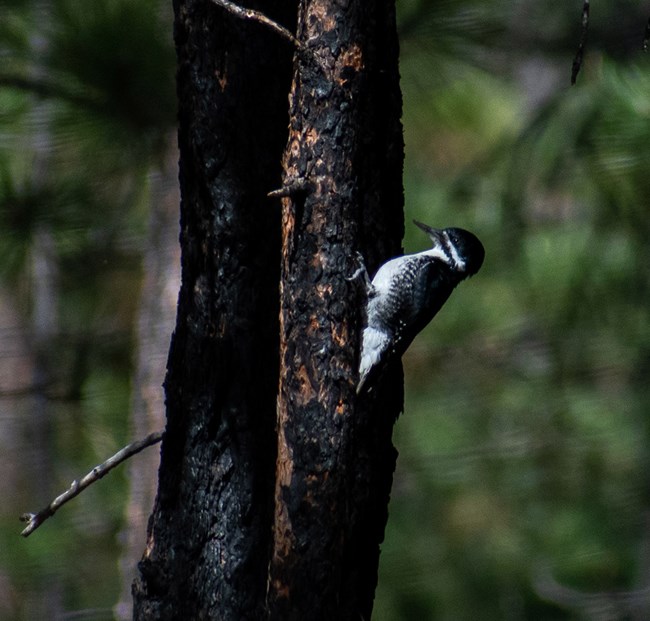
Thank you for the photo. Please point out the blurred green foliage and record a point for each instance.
(524, 443)
(523, 447)
(86, 108)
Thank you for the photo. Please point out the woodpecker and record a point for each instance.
(408, 291)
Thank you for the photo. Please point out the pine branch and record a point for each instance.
(34, 520)
(48, 89)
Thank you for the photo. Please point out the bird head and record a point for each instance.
(464, 251)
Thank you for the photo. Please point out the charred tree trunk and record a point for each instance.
(210, 533)
(335, 457)
(258, 517)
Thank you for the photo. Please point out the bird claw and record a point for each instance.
(361, 271)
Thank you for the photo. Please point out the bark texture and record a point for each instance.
(257, 516)
(209, 535)
(335, 457)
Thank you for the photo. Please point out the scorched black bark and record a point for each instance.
(258, 517)
(343, 167)
(209, 535)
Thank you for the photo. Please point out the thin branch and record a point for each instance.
(613, 604)
(577, 61)
(259, 17)
(26, 391)
(299, 186)
(34, 520)
(47, 90)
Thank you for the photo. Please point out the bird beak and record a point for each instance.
(434, 234)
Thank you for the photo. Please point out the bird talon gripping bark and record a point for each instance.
(360, 272)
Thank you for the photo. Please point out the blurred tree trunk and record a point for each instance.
(158, 299)
(231, 536)
(44, 326)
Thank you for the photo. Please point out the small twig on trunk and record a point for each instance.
(257, 16)
(34, 520)
(299, 186)
(577, 61)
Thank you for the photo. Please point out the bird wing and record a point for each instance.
(426, 285)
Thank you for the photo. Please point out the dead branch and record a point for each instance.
(299, 186)
(34, 520)
(577, 61)
(598, 606)
(259, 17)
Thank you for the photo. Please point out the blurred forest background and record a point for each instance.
(522, 489)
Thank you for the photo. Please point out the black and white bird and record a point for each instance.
(408, 291)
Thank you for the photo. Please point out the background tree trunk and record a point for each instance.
(210, 552)
(158, 297)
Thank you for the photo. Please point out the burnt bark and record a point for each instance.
(259, 516)
(335, 457)
(209, 535)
